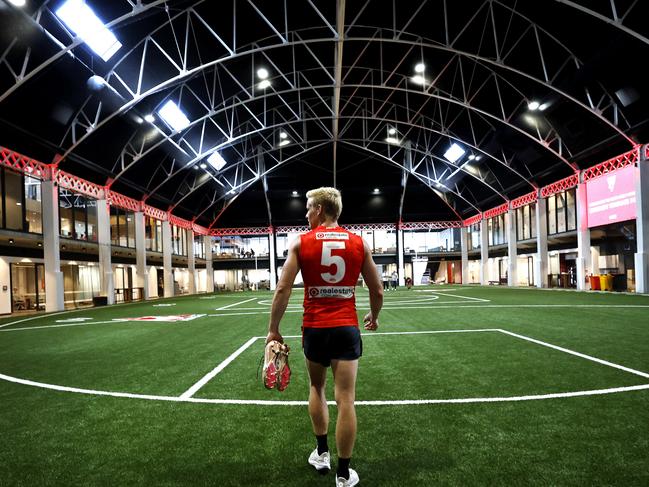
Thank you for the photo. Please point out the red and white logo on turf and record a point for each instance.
(168, 318)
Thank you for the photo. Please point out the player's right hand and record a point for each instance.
(370, 323)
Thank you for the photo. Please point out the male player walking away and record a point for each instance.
(330, 258)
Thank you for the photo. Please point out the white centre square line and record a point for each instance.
(234, 304)
(209, 376)
(576, 354)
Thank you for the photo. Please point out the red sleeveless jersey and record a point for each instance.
(330, 261)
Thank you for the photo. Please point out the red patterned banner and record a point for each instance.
(473, 220)
(223, 232)
(78, 185)
(430, 225)
(611, 165)
(180, 222)
(23, 164)
(526, 199)
(562, 185)
(498, 210)
(121, 201)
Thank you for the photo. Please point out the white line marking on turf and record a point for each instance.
(55, 387)
(462, 297)
(234, 304)
(44, 327)
(360, 403)
(209, 376)
(577, 354)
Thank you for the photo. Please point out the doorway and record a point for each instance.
(27, 287)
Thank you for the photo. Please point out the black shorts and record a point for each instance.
(322, 345)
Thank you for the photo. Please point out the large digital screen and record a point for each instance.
(611, 198)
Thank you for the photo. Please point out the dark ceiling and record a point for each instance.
(485, 61)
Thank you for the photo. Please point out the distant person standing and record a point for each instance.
(331, 259)
(394, 280)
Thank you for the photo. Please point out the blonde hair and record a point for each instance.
(329, 199)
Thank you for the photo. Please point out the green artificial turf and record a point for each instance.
(64, 438)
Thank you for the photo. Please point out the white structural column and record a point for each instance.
(53, 275)
(105, 264)
(209, 266)
(400, 257)
(512, 248)
(541, 261)
(642, 225)
(464, 247)
(484, 252)
(583, 237)
(142, 274)
(191, 261)
(166, 260)
(272, 254)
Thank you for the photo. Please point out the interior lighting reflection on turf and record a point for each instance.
(81, 20)
(174, 116)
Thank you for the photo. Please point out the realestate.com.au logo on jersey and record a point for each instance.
(345, 292)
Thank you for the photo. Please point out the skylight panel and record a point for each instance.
(174, 116)
(217, 161)
(454, 153)
(81, 20)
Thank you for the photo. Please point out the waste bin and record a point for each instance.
(606, 282)
(619, 282)
(100, 301)
(594, 283)
(564, 280)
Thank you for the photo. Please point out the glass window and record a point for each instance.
(65, 213)
(33, 207)
(123, 232)
(571, 209)
(130, 229)
(80, 231)
(552, 215)
(532, 220)
(13, 201)
(114, 229)
(561, 212)
(91, 215)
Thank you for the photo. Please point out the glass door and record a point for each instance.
(27, 287)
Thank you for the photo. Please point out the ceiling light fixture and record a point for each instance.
(262, 73)
(471, 157)
(420, 67)
(392, 131)
(81, 20)
(18, 3)
(454, 153)
(543, 106)
(263, 84)
(284, 142)
(294, 193)
(216, 161)
(174, 116)
(203, 165)
(533, 105)
(149, 118)
(392, 140)
(377, 190)
(283, 135)
(418, 79)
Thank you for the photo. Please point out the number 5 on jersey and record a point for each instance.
(329, 260)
